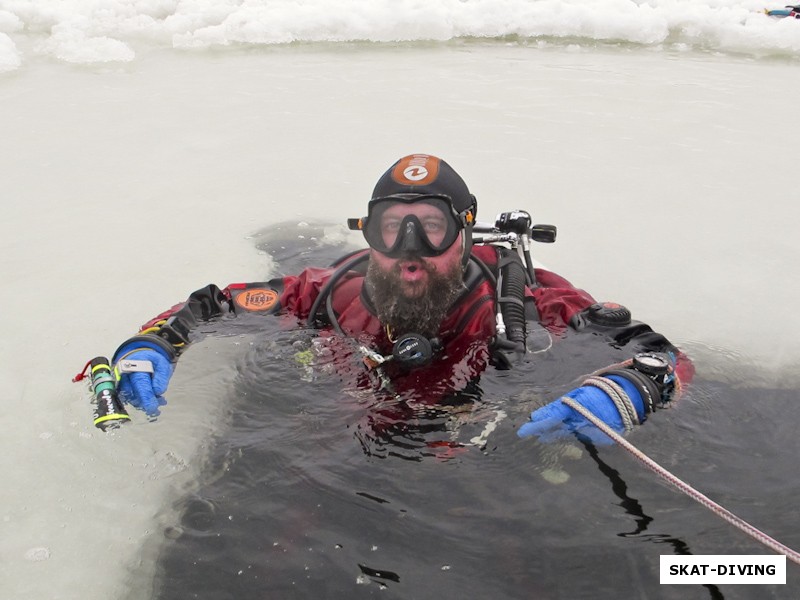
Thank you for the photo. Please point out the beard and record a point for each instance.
(421, 313)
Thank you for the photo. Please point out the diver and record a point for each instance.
(789, 10)
(435, 300)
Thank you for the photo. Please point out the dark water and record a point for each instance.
(317, 489)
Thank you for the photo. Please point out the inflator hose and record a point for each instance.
(512, 294)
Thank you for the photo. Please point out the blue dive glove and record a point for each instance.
(142, 389)
(556, 420)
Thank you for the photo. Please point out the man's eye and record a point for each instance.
(391, 226)
(433, 226)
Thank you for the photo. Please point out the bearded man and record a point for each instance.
(424, 305)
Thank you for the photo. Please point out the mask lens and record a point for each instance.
(425, 225)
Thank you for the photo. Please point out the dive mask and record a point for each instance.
(425, 225)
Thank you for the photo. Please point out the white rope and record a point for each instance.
(621, 400)
(648, 462)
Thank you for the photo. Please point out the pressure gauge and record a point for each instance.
(652, 363)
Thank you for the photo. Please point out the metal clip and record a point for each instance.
(372, 358)
(134, 366)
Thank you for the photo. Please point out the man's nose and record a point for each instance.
(411, 243)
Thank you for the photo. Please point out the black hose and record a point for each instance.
(487, 272)
(328, 288)
(512, 294)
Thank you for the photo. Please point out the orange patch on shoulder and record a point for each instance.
(256, 299)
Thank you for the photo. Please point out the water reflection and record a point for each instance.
(633, 507)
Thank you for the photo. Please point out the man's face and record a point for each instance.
(414, 272)
(413, 293)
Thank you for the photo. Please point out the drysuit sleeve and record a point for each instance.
(558, 301)
(293, 294)
(563, 308)
(160, 341)
(620, 394)
(614, 323)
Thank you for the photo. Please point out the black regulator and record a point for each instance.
(414, 350)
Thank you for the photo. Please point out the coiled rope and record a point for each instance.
(684, 487)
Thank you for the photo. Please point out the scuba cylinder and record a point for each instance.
(108, 410)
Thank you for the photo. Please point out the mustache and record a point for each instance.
(409, 256)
